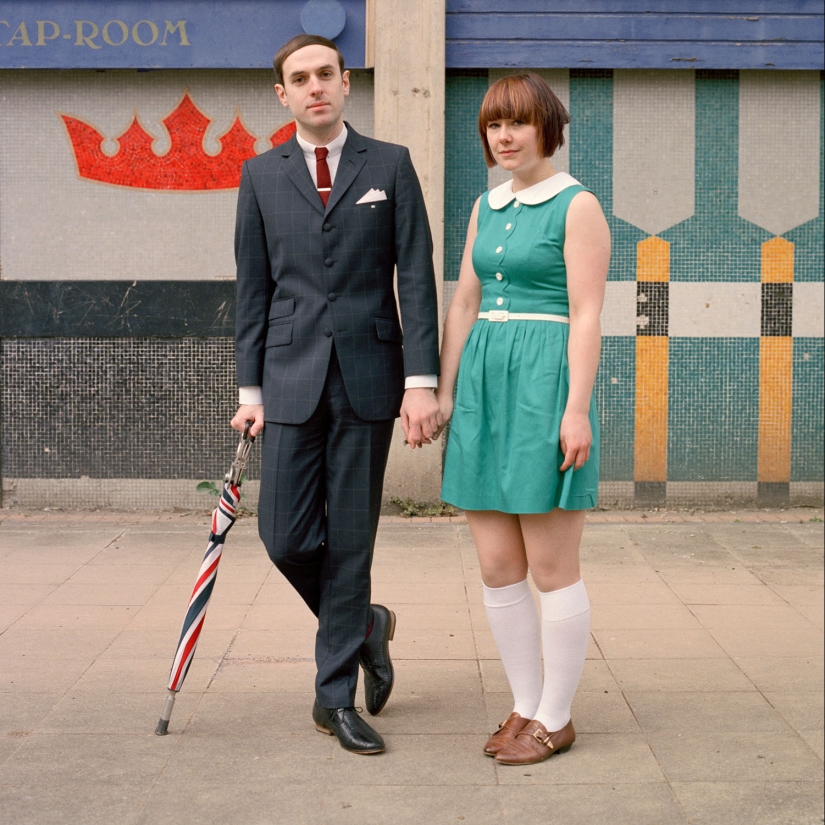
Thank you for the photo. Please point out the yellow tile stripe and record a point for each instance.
(777, 261)
(650, 447)
(775, 376)
(650, 452)
(653, 260)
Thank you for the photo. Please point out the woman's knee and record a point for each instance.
(502, 572)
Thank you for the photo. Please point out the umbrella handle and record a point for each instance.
(242, 456)
(163, 723)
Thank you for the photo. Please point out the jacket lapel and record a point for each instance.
(295, 166)
(353, 158)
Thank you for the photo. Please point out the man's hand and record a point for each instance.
(249, 412)
(420, 416)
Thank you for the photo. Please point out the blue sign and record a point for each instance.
(190, 34)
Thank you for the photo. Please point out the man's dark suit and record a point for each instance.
(318, 330)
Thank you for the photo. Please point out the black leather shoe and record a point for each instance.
(353, 733)
(374, 656)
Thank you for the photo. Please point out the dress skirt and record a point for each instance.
(503, 449)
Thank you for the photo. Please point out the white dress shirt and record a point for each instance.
(253, 395)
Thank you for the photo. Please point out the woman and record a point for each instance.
(522, 457)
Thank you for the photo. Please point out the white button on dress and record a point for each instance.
(499, 276)
(509, 226)
(499, 301)
(498, 249)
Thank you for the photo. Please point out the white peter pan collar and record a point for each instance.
(537, 193)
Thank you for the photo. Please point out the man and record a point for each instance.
(323, 220)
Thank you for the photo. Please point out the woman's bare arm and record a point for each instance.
(587, 258)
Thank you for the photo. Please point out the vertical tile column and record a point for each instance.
(652, 351)
(775, 373)
(654, 147)
(779, 109)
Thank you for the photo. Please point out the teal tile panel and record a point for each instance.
(591, 161)
(713, 409)
(809, 239)
(807, 442)
(615, 393)
(465, 174)
(715, 244)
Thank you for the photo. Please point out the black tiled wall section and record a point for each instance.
(118, 408)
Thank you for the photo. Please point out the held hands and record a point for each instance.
(445, 404)
(420, 417)
(249, 412)
(575, 438)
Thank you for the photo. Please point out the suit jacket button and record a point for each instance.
(329, 262)
(332, 296)
(327, 227)
(328, 333)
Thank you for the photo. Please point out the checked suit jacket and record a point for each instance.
(309, 276)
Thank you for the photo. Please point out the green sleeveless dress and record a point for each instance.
(503, 450)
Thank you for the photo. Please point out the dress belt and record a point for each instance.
(503, 315)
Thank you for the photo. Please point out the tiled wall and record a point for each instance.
(711, 380)
(148, 415)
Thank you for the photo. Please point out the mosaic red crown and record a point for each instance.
(186, 166)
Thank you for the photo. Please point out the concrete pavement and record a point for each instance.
(701, 701)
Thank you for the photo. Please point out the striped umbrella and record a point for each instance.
(223, 517)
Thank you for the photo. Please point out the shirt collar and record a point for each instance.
(335, 146)
(537, 193)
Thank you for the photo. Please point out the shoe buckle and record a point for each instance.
(543, 740)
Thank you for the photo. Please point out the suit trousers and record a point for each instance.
(320, 499)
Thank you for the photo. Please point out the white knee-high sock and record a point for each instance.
(514, 621)
(565, 632)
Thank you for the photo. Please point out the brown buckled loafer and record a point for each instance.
(535, 744)
(506, 733)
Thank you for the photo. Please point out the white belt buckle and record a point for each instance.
(498, 315)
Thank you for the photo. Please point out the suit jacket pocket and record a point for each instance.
(388, 330)
(279, 335)
(281, 308)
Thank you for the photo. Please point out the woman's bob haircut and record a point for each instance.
(528, 98)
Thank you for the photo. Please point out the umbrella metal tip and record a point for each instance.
(163, 727)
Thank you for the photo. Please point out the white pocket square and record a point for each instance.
(372, 196)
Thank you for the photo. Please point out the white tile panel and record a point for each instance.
(808, 310)
(714, 310)
(779, 175)
(654, 145)
(619, 312)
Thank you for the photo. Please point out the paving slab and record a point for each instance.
(701, 701)
(651, 803)
(754, 803)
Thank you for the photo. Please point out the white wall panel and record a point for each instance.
(654, 146)
(779, 114)
(808, 310)
(715, 310)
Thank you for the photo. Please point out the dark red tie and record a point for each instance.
(322, 173)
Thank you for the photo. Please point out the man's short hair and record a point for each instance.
(299, 42)
(524, 97)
